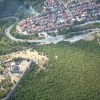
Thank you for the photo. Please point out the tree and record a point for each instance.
(1, 70)
(3, 65)
(15, 58)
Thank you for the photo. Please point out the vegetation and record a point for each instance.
(6, 85)
(73, 75)
(17, 59)
(7, 45)
(4, 23)
(76, 30)
(15, 34)
(98, 1)
(8, 7)
(78, 22)
(67, 32)
(1, 71)
(3, 66)
(52, 33)
(18, 7)
(37, 4)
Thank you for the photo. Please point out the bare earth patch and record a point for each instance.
(2, 77)
(14, 77)
(39, 59)
(89, 38)
(23, 65)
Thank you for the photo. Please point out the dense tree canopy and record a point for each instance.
(73, 75)
(11, 7)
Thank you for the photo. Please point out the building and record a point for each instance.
(14, 68)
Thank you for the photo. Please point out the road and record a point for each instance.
(17, 19)
(49, 39)
(79, 37)
(90, 22)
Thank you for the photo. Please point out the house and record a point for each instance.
(56, 14)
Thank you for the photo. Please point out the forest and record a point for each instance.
(18, 7)
(72, 75)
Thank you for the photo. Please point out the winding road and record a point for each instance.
(51, 39)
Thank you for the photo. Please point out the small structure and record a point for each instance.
(5, 71)
(14, 68)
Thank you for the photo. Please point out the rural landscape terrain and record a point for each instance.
(49, 50)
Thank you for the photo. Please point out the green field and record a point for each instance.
(74, 75)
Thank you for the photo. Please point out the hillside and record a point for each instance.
(9, 7)
(16, 7)
(72, 74)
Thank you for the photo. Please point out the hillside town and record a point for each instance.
(58, 14)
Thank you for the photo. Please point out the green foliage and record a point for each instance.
(7, 45)
(37, 4)
(74, 75)
(2, 94)
(1, 70)
(98, 1)
(52, 34)
(6, 85)
(78, 22)
(17, 7)
(3, 66)
(8, 7)
(4, 41)
(3, 25)
(16, 58)
(77, 30)
(14, 81)
(22, 36)
(36, 34)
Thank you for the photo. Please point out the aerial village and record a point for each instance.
(58, 14)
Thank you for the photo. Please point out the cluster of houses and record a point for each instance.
(57, 15)
(87, 10)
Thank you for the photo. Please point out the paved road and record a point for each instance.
(49, 39)
(46, 41)
(79, 37)
(17, 19)
(91, 22)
